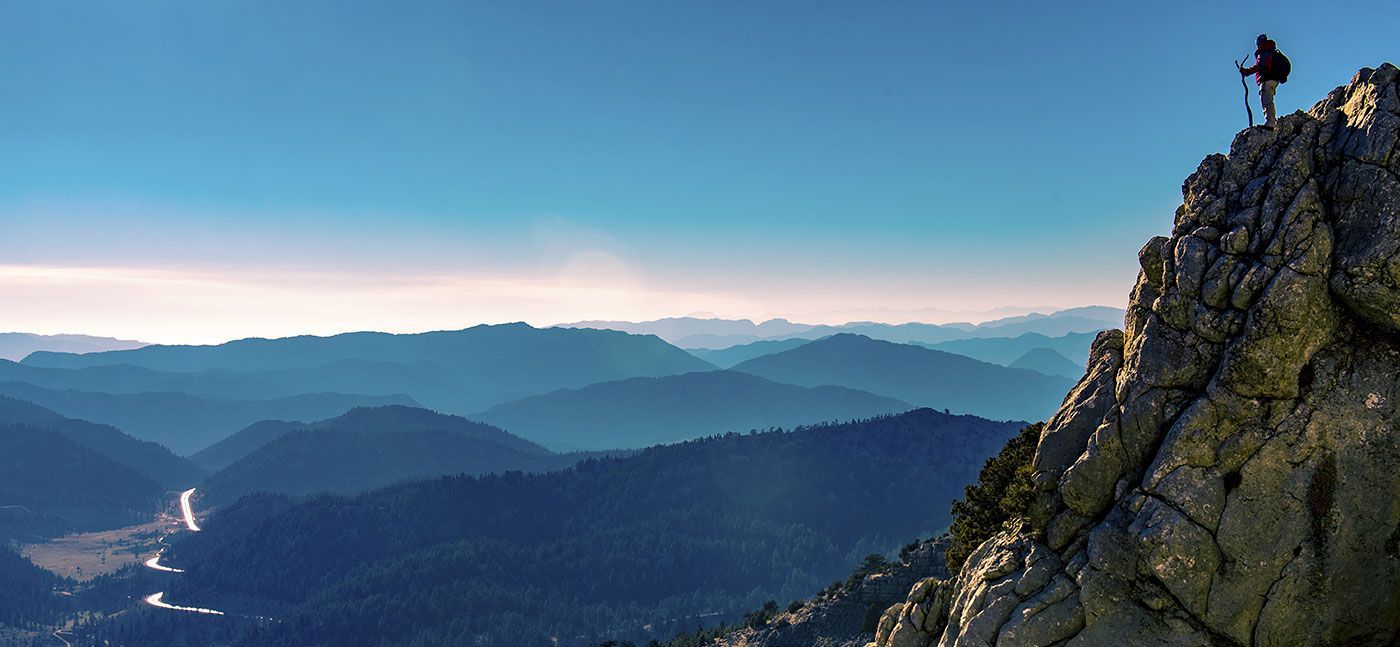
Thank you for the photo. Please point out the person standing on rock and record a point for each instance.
(1270, 68)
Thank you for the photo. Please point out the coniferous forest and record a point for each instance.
(672, 538)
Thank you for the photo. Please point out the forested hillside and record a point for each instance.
(148, 458)
(368, 448)
(243, 442)
(26, 591)
(675, 535)
(46, 473)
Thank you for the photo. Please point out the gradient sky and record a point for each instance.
(199, 171)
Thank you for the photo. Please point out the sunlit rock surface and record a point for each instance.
(1228, 470)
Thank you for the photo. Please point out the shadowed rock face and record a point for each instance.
(1228, 470)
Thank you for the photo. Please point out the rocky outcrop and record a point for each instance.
(1228, 470)
(847, 619)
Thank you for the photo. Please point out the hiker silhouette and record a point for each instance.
(1270, 69)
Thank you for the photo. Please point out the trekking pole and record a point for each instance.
(1248, 110)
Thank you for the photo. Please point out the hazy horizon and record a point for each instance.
(881, 316)
(207, 172)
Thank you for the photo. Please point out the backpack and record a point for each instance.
(1280, 68)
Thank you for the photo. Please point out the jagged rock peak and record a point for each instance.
(1227, 472)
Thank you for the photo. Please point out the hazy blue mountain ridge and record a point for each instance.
(915, 374)
(1049, 362)
(368, 448)
(639, 412)
(151, 459)
(183, 422)
(18, 345)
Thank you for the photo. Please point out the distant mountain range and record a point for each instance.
(457, 371)
(187, 423)
(16, 346)
(915, 374)
(716, 334)
(728, 357)
(644, 411)
(190, 397)
(630, 548)
(1049, 362)
(426, 380)
(366, 448)
(1006, 350)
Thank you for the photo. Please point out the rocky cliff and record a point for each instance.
(845, 618)
(1228, 470)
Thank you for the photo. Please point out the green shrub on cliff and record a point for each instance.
(1003, 491)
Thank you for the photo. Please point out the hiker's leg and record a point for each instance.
(1266, 97)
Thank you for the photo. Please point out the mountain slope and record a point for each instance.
(1225, 473)
(426, 382)
(367, 448)
(1005, 350)
(182, 422)
(1048, 362)
(243, 442)
(915, 374)
(28, 594)
(494, 363)
(148, 458)
(659, 538)
(47, 474)
(728, 357)
(651, 410)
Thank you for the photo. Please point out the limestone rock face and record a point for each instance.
(1228, 470)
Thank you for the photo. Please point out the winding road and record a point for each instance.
(154, 562)
(154, 600)
(188, 510)
(157, 599)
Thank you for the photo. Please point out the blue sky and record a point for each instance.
(193, 171)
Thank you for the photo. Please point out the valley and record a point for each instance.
(342, 323)
(487, 501)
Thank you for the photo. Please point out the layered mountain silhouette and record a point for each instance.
(716, 334)
(728, 357)
(915, 374)
(243, 442)
(1006, 350)
(429, 381)
(1048, 362)
(150, 459)
(633, 548)
(364, 449)
(458, 371)
(187, 423)
(646, 411)
(16, 346)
